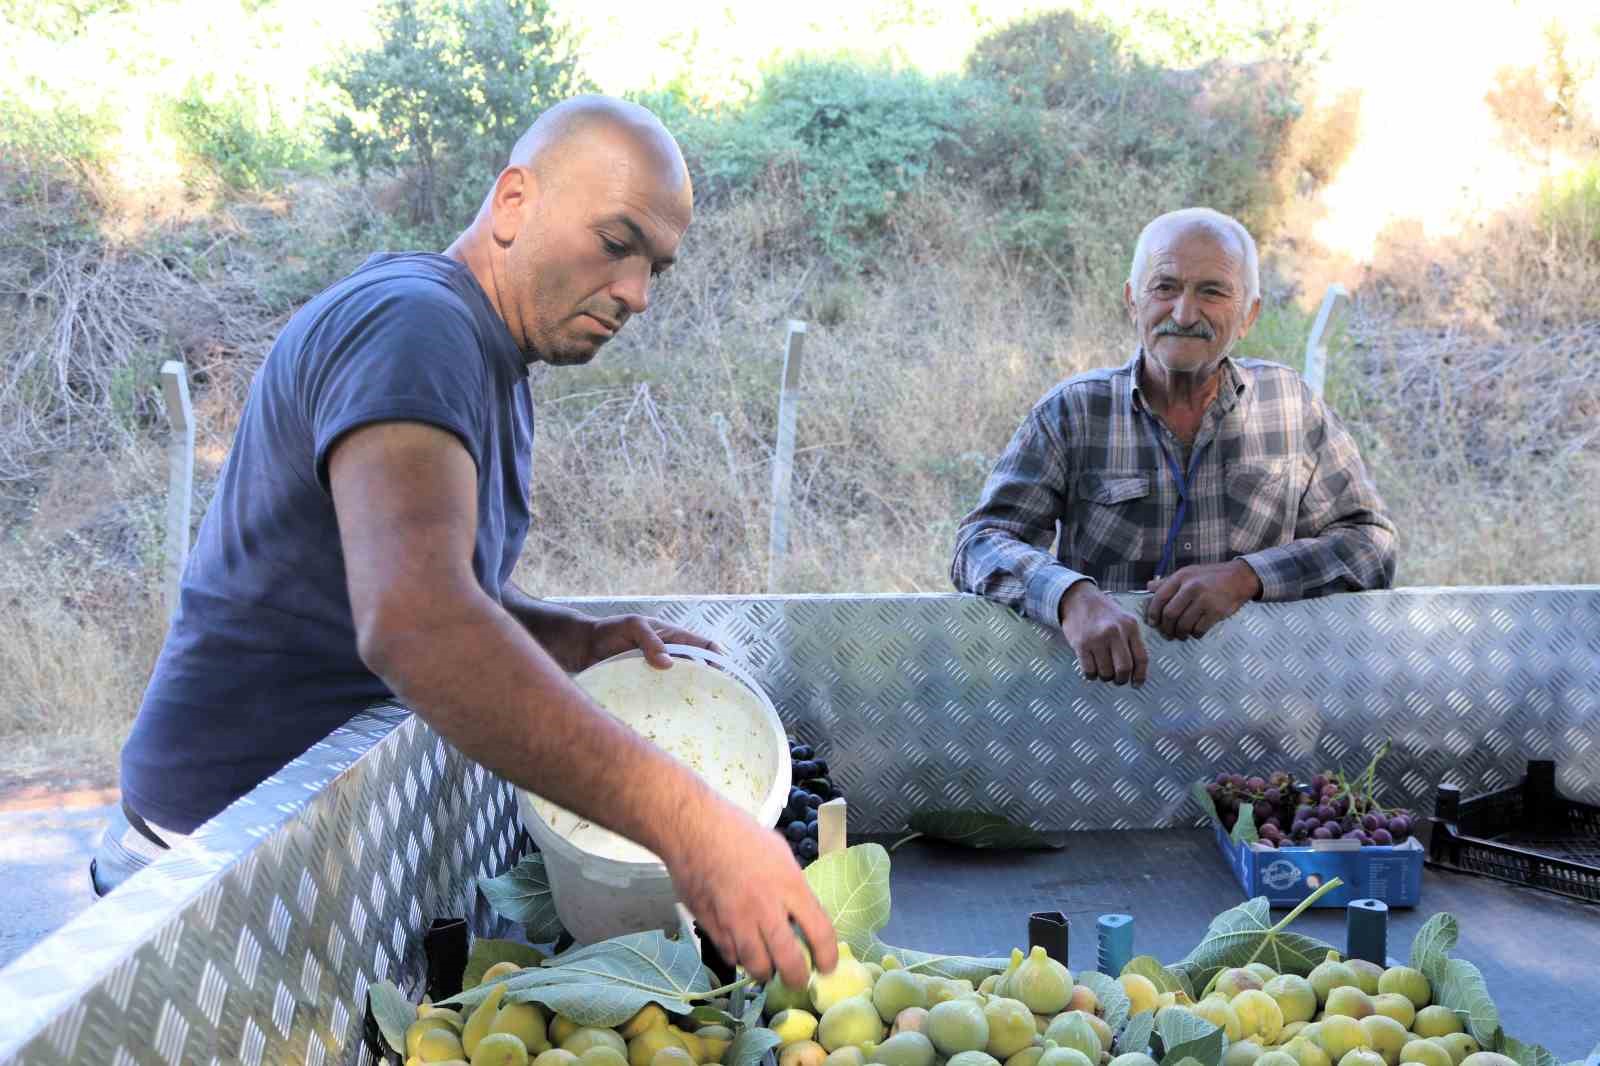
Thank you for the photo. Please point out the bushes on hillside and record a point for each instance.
(1072, 140)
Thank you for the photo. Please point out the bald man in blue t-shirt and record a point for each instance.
(362, 537)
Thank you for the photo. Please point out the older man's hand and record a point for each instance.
(1104, 636)
(1195, 598)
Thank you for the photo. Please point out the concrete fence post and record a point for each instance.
(783, 456)
(1316, 373)
(180, 475)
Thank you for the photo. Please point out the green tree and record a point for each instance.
(445, 95)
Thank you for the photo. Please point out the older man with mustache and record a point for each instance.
(1206, 480)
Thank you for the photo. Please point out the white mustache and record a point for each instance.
(1169, 328)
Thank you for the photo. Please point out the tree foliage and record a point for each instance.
(446, 93)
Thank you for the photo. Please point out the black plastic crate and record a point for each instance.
(1527, 834)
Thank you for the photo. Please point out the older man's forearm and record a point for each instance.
(1350, 558)
(996, 565)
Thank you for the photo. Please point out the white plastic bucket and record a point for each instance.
(706, 712)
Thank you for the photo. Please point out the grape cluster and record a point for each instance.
(811, 789)
(1288, 814)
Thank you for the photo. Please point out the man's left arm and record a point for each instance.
(577, 641)
(1344, 539)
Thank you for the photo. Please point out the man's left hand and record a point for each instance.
(1192, 600)
(624, 632)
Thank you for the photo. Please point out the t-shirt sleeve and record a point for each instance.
(398, 352)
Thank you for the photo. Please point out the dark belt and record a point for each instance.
(140, 826)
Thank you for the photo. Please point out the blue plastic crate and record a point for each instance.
(1288, 875)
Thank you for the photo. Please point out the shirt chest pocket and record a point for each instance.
(1110, 512)
(1261, 500)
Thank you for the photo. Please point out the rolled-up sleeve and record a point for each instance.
(1344, 538)
(1002, 547)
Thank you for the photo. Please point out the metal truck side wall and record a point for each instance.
(257, 942)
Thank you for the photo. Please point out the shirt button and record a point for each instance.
(1187, 546)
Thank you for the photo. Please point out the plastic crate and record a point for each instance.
(1390, 874)
(1527, 834)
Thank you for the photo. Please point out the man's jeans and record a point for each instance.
(128, 845)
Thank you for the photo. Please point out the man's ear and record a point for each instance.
(513, 197)
(1127, 301)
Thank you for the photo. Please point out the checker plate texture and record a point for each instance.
(256, 942)
(951, 701)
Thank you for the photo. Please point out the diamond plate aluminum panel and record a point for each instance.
(944, 700)
(256, 941)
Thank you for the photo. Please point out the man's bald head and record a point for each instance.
(588, 212)
(563, 131)
(1225, 228)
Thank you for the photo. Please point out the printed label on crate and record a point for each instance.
(1280, 875)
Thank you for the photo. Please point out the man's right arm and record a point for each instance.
(405, 495)
(1002, 547)
(1001, 554)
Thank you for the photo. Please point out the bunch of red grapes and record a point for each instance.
(1331, 807)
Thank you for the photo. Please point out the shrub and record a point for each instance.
(227, 133)
(446, 94)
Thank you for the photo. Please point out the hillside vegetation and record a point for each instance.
(956, 242)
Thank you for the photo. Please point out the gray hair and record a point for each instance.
(1215, 220)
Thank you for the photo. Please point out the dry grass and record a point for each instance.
(1478, 388)
(1472, 381)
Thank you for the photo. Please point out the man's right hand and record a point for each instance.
(744, 888)
(1105, 638)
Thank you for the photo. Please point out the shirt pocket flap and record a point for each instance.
(1107, 488)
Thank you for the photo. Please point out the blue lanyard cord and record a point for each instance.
(1183, 493)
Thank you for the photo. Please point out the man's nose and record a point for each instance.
(1186, 312)
(632, 287)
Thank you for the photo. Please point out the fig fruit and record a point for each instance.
(1368, 974)
(1408, 982)
(1260, 1018)
(853, 1022)
(1295, 996)
(1331, 974)
(1141, 991)
(1436, 1021)
(895, 991)
(1041, 982)
(1458, 1045)
(957, 1025)
(1238, 979)
(1385, 1036)
(800, 1053)
(1425, 1053)
(849, 978)
(482, 1017)
(794, 1025)
(1011, 1026)
(525, 1021)
(1348, 1001)
(642, 1048)
(1219, 1013)
(906, 1049)
(504, 1049)
(1072, 1030)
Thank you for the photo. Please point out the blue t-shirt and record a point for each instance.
(261, 662)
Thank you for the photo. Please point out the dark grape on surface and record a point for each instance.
(811, 787)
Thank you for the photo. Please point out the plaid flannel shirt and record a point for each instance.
(1276, 481)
